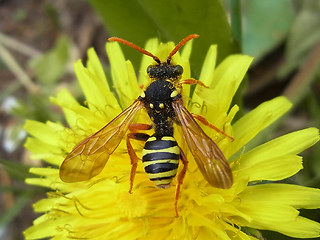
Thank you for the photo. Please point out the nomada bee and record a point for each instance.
(161, 153)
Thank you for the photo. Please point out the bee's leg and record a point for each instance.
(204, 121)
(180, 179)
(133, 127)
(133, 156)
(191, 81)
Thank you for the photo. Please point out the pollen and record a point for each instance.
(132, 205)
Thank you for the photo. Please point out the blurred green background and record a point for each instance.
(40, 40)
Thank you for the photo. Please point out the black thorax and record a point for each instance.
(158, 102)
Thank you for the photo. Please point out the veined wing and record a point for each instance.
(209, 158)
(89, 157)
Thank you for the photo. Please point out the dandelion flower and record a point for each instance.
(102, 208)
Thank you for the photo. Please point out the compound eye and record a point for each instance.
(149, 69)
(152, 71)
(178, 70)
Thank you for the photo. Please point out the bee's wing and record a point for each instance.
(210, 160)
(89, 157)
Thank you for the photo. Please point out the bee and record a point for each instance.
(161, 154)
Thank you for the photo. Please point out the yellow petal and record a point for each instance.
(43, 131)
(299, 228)
(97, 97)
(80, 117)
(123, 75)
(53, 227)
(64, 100)
(267, 213)
(46, 229)
(151, 46)
(41, 150)
(186, 51)
(37, 146)
(292, 143)
(225, 82)
(44, 205)
(293, 195)
(208, 67)
(235, 234)
(206, 77)
(272, 169)
(270, 207)
(94, 66)
(255, 121)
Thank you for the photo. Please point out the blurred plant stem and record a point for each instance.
(17, 70)
(301, 82)
(7, 199)
(18, 46)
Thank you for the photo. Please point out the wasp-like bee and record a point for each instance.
(161, 154)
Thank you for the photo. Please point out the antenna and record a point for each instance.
(132, 45)
(180, 44)
(174, 51)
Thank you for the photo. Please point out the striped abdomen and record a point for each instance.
(161, 159)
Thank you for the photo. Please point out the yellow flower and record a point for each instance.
(102, 208)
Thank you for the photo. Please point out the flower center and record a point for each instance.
(132, 205)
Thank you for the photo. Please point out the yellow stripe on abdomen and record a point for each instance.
(161, 159)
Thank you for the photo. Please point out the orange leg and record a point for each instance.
(180, 179)
(205, 122)
(139, 126)
(192, 81)
(133, 156)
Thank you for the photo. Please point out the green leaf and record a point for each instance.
(16, 170)
(51, 66)
(139, 20)
(266, 24)
(236, 20)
